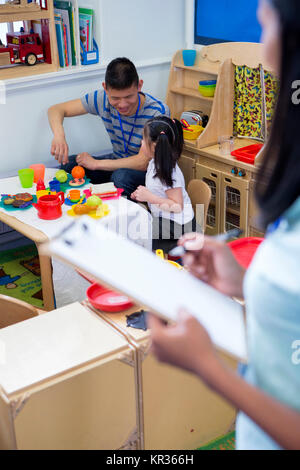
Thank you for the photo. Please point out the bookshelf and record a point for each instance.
(41, 10)
(33, 12)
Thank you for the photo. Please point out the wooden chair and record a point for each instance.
(14, 311)
(200, 193)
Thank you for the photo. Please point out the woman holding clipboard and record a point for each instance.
(268, 396)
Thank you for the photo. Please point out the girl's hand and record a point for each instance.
(186, 345)
(142, 194)
(86, 160)
(213, 262)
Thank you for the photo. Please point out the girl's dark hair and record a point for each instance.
(168, 136)
(278, 183)
(121, 74)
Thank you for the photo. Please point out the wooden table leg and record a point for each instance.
(47, 281)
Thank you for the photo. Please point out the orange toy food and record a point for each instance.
(78, 172)
(81, 209)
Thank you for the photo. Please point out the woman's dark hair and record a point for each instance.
(278, 183)
(168, 136)
(121, 74)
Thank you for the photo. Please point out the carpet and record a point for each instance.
(20, 275)
(226, 442)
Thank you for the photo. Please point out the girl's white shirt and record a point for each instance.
(156, 187)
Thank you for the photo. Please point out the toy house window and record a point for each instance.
(224, 21)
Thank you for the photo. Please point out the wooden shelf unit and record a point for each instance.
(202, 158)
(23, 12)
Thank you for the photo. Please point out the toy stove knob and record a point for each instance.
(234, 170)
(242, 173)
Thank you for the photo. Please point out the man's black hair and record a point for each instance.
(121, 74)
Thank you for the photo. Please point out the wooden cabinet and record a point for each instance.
(234, 204)
(212, 177)
(228, 208)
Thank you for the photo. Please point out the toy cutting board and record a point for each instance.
(130, 269)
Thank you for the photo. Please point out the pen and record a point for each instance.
(223, 237)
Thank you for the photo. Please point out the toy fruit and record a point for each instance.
(94, 201)
(78, 172)
(61, 176)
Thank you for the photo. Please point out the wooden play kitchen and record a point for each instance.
(90, 382)
(230, 177)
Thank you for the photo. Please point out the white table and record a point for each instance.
(125, 217)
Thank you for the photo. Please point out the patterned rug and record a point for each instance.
(20, 275)
(226, 442)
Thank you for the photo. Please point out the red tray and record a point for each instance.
(247, 154)
(244, 249)
(107, 300)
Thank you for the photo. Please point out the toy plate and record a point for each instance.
(244, 249)
(102, 211)
(66, 186)
(11, 208)
(107, 300)
(70, 203)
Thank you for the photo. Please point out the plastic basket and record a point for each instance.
(89, 57)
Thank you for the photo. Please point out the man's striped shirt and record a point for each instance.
(97, 103)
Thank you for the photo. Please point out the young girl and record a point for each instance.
(269, 394)
(165, 191)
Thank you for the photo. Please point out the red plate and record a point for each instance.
(247, 154)
(244, 249)
(107, 300)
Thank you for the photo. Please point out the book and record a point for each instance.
(68, 6)
(88, 15)
(65, 45)
(65, 18)
(130, 269)
(60, 39)
(84, 33)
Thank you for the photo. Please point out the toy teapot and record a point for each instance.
(49, 207)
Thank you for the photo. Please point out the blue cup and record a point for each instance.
(54, 185)
(189, 57)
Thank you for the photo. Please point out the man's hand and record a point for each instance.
(142, 194)
(87, 161)
(60, 149)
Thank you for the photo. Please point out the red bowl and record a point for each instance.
(107, 300)
(244, 249)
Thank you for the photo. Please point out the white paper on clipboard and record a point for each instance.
(130, 269)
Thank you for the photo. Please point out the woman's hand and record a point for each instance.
(87, 161)
(60, 149)
(213, 262)
(186, 345)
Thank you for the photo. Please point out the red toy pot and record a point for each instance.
(49, 207)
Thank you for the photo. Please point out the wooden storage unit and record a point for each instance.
(177, 410)
(30, 12)
(201, 158)
(64, 384)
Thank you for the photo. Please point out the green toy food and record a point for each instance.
(94, 201)
(61, 176)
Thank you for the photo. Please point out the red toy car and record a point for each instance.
(25, 48)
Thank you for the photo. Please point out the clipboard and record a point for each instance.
(128, 268)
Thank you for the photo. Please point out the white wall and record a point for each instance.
(145, 31)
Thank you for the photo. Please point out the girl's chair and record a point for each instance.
(200, 193)
(14, 311)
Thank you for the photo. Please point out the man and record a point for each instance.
(124, 110)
